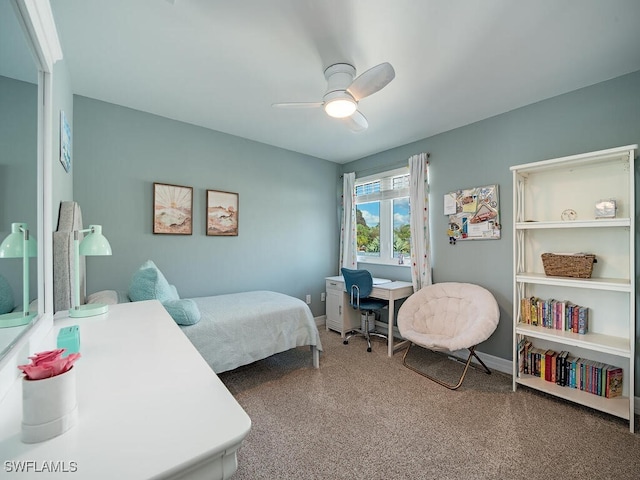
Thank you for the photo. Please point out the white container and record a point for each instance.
(49, 406)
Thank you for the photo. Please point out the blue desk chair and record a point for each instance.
(359, 284)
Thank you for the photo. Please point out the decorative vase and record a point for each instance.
(49, 406)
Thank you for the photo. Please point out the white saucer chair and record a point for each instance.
(446, 317)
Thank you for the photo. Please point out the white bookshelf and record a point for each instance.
(542, 191)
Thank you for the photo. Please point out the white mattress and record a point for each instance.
(240, 328)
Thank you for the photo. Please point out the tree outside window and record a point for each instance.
(368, 229)
(382, 218)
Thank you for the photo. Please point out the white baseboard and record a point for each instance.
(321, 321)
(494, 363)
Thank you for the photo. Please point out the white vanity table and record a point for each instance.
(149, 406)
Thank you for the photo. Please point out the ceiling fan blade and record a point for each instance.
(356, 122)
(371, 81)
(297, 104)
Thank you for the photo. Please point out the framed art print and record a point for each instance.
(65, 142)
(172, 209)
(222, 213)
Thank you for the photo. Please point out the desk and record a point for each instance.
(390, 291)
(148, 406)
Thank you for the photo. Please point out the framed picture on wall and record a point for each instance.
(172, 209)
(65, 142)
(222, 213)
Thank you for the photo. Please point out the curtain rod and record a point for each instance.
(383, 167)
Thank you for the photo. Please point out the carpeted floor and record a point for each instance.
(365, 416)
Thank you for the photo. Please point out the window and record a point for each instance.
(382, 218)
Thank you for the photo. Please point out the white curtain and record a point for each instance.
(348, 255)
(419, 224)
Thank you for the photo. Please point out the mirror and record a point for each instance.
(19, 84)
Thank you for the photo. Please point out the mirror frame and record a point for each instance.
(36, 19)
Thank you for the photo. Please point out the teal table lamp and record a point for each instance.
(94, 243)
(19, 244)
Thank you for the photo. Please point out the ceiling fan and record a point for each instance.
(345, 90)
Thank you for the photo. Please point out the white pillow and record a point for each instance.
(108, 297)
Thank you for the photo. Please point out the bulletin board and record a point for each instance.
(474, 214)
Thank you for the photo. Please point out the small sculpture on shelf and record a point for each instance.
(605, 209)
(569, 215)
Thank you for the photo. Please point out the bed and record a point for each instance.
(228, 330)
(240, 328)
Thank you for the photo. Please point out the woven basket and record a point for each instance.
(578, 266)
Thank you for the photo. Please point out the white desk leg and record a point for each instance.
(390, 345)
(390, 331)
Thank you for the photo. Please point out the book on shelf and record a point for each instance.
(565, 370)
(574, 318)
(568, 319)
(523, 350)
(548, 365)
(561, 368)
(525, 310)
(571, 371)
(613, 386)
(534, 311)
(561, 308)
(554, 367)
(583, 320)
(546, 313)
(536, 364)
(554, 314)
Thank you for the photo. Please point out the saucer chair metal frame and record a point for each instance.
(446, 317)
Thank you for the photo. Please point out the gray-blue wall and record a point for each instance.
(62, 181)
(288, 232)
(598, 117)
(18, 172)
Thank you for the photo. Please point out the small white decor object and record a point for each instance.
(569, 215)
(49, 400)
(49, 406)
(605, 209)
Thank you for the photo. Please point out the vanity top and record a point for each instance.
(149, 406)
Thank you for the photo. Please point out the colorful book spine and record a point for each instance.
(614, 382)
(583, 320)
(565, 370)
(555, 314)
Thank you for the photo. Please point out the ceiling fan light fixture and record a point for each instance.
(339, 104)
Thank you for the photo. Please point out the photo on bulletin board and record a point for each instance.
(474, 214)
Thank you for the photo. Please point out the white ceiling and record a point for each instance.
(221, 64)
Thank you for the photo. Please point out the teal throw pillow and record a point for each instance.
(148, 283)
(184, 312)
(6, 296)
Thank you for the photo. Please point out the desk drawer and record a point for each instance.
(334, 285)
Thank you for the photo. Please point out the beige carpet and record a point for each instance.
(365, 416)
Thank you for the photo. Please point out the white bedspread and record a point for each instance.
(241, 328)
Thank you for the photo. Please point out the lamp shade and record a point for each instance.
(339, 104)
(13, 245)
(95, 243)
